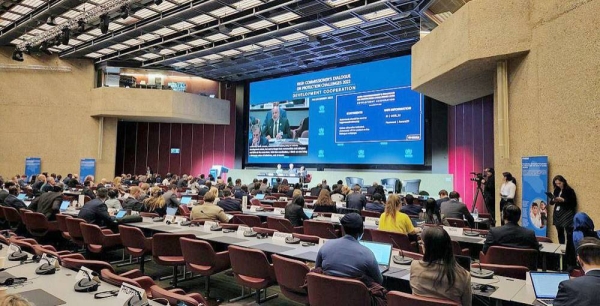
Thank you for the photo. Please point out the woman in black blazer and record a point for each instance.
(565, 205)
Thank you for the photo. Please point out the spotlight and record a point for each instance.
(51, 21)
(157, 2)
(28, 49)
(80, 26)
(17, 55)
(65, 36)
(104, 21)
(124, 11)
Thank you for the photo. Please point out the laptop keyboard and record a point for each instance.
(548, 302)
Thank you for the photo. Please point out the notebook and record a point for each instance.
(21, 196)
(64, 206)
(545, 285)
(185, 200)
(171, 211)
(259, 196)
(382, 252)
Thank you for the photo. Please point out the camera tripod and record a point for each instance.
(477, 193)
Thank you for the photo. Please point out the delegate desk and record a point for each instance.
(507, 288)
(54, 289)
(272, 177)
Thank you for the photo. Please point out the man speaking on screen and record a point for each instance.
(276, 127)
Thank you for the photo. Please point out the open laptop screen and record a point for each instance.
(259, 196)
(545, 284)
(308, 212)
(64, 205)
(185, 200)
(21, 196)
(171, 211)
(121, 214)
(382, 251)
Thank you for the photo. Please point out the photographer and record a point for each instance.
(489, 193)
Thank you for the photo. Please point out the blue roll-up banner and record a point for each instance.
(33, 166)
(535, 184)
(87, 167)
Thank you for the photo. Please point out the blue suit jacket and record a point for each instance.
(579, 291)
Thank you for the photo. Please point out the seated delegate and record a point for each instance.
(392, 220)
(411, 208)
(295, 211)
(582, 290)
(324, 203)
(346, 257)
(438, 275)
(511, 234)
(377, 204)
(155, 203)
(456, 209)
(208, 210)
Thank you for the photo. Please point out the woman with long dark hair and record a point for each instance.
(438, 275)
(565, 204)
(431, 214)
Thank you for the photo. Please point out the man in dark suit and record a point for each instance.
(95, 211)
(412, 206)
(132, 202)
(171, 196)
(356, 200)
(456, 209)
(87, 190)
(371, 189)
(315, 191)
(229, 203)
(443, 198)
(582, 290)
(48, 203)
(4, 192)
(258, 140)
(511, 234)
(277, 127)
(12, 200)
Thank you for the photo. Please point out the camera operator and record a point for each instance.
(489, 193)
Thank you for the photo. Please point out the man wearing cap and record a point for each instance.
(346, 257)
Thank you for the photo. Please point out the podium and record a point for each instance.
(219, 170)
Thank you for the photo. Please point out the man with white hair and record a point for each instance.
(276, 127)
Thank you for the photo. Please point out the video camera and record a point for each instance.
(477, 177)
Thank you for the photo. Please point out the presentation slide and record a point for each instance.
(360, 114)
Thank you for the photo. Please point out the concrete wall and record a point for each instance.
(47, 114)
(553, 90)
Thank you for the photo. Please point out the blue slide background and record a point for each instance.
(392, 73)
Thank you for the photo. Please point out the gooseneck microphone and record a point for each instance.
(481, 273)
(17, 255)
(136, 300)
(401, 260)
(46, 268)
(471, 233)
(86, 285)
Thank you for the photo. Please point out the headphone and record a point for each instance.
(13, 281)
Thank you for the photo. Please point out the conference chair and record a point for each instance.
(283, 225)
(51, 251)
(99, 241)
(411, 186)
(12, 216)
(518, 272)
(397, 298)
(543, 239)
(280, 204)
(26, 244)
(576, 273)
(144, 282)
(413, 255)
(456, 222)
(38, 225)
(264, 230)
(325, 290)
(393, 184)
(183, 210)
(250, 220)
(75, 230)
(148, 215)
(367, 235)
(457, 250)
(174, 297)
(510, 256)
(306, 238)
(397, 240)
(200, 257)
(351, 181)
(135, 243)
(320, 229)
(62, 225)
(252, 269)
(291, 275)
(166, 251)
(97, 266)
(368, 213)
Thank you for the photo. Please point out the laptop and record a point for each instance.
(259, 196)
(21, 196)
(171, 211)
(186, 200)
(308, 212)
(121, 214)
(545, 285)
(64, 206)
(382, 252)
(463, 261)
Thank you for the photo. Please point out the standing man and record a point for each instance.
(277, 127)
(489, 193)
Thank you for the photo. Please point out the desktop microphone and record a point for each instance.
(87, 285)
(401, 260)
(46, 268)
(18, 255)
(471, 233)
(482, 273)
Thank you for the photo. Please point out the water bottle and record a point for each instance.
(475, 214)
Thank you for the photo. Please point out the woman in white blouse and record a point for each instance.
(507, 191)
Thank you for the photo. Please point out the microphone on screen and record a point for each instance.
(481, 273)
(401, 260)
